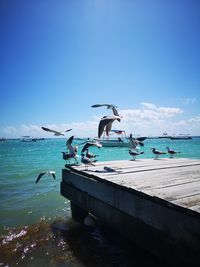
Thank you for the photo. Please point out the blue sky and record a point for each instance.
(60, 57)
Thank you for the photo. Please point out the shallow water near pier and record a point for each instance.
(35, 220)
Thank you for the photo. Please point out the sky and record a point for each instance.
(59, 57)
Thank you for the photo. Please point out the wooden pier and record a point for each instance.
(153, 202)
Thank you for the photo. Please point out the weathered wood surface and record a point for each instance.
(147, 200)
(174, 180)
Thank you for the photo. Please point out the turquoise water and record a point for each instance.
(30, 207)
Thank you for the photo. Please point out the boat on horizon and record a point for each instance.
(181, 137)
(28, 138)
(165, 135)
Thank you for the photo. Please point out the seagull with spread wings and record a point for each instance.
(57, 133)
(73, 150)
(49, 173)
(106, 123)
(109, 106)
(134, 143)
(89, 144)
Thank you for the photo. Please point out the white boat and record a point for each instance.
(27, 138)
(116, 138)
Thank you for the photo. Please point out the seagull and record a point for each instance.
(89, 144)
(157, 153)
(73, 150)
(86, 161)
(49, 173)
(106, 123)
(172, 152)
(109, 106)
(55, 132)
(135, 153)
(134, 143)
(90, 155)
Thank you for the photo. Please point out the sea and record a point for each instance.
(36, 228)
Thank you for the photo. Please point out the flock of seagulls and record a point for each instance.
(88, 158)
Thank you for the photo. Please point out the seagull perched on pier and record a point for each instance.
(157, 153)
(86, 161)
(49, 173)
(106, 123)
(109, 106)
(135, 153)
(57, 133)
(73, 150)
(90, 155)
(172, 152)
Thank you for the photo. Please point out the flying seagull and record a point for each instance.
(57, 133)
(157, 153)
(172, 152)
(89, 144)
(106, 123)
(109, 106)
(49, 173)
(134, 142)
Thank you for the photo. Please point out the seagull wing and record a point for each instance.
(68, 130)
(108, 128)
(39, 176)
(69, 145)
(100, 105)
(50, 130)
(85, 147)
(133, 142)
(102, 124)
(88, 144)
(115, 112)
(53, 174)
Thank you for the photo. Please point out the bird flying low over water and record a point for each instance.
(49, 173)
(109, 106)
(106, 123)
(57, 133)
(157, 153)
(172, 152)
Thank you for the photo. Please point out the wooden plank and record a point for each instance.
(156, 178)
(175, 192)
(124, 165)
(189, 202)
